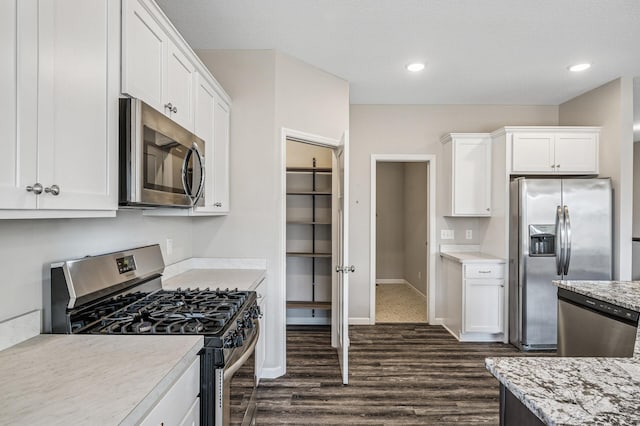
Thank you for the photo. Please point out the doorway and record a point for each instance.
(402, 269)
(324, 235)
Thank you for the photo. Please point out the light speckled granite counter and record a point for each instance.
(471, 257)
(574, 391)
(243, 274)
(577, 391)
(242, 279)
(84, 379)
(467, 253)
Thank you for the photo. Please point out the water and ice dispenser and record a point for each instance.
(542, 240)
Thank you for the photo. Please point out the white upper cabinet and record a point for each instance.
(154, 69)
(144, 48)
(467, 163)
(554, 150)
(160, 68)
(181, 78)
(62, 134)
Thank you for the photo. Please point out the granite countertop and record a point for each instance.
(242, 279)
(573, 391)
(470, 257)
(85, 379)
(467, 253)
(577, 391)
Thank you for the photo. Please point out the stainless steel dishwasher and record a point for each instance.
(592, 327)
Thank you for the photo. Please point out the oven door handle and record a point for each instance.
(231, 370)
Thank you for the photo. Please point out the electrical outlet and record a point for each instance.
(169, 246)
(447, 234)
(468, 234)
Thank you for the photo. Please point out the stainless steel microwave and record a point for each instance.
(161, 163)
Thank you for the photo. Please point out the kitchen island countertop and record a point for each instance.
(56, 379)
(577, 391)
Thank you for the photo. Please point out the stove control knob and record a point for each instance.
(238, 341)
(227, 342)
(248, 323)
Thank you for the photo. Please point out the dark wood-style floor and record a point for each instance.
(399, 374)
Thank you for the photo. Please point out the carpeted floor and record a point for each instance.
(400, 303)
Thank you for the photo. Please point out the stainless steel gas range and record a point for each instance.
(121, 293)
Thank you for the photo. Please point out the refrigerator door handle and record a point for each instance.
(567, 236)
(559, 249)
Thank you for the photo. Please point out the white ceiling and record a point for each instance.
(477, 51)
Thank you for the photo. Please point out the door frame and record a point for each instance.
(431, 253)
(281, 299)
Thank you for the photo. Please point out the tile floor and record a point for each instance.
(399, 303)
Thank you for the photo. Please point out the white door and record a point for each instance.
(533, 153)
(341, 326)
(181, 76)
(576, 153)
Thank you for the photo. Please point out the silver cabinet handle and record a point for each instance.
(484, 272)
(171, 108)
(218, 204)
(53, 190)
(36, 188)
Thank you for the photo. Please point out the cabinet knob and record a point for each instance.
(553, 166)
(557, 166)
(53, 190)
(218, 204)
(36, 188)
(488, 209)
(171, 107)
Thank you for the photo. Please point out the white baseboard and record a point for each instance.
(392, 281)
(360, 321)
(308, 321)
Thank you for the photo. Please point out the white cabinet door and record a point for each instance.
(177, 404)
(181, 77)
(533, 153)
(144, 48)
(221, 115)
(483, 306)
(77, 104)
(472, 177)
(18, 84)
(576, 153)
(467, 185)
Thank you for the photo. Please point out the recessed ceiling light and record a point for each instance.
(579, 67)
(415, 67)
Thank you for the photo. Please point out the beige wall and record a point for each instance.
(28, 247)
(414, 129)
(611, 106)
(269, 91)
(390, 217)
(416, 224)
(302, 155)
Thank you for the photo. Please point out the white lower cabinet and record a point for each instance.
(181, 404)
(474, 300)
(62, 84)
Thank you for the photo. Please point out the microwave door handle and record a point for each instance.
(185, 169)
(567, 234)
(196, 152)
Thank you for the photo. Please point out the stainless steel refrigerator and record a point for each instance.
(559, 229)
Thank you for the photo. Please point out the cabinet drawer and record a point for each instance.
(484, 270)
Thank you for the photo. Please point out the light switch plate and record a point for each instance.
(447, 234)
(468, 234)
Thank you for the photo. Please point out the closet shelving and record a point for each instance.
(309, 191)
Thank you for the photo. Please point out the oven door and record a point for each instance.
(237, 381)
(165, 163)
